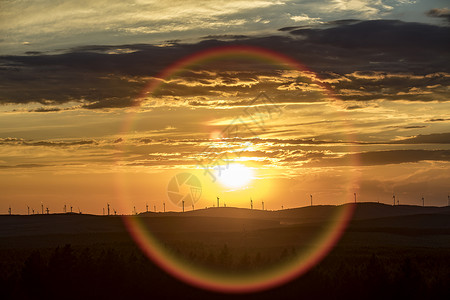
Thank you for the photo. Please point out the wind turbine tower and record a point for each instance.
(9, 210)
(164, 206)
(183, 204)
(355, 196)
(251, 203)
(262, 205)
(28, 210)
(311, 198)
(393, 196)
(146, 207)
(108, 208)
(217, 201)
(423, 201)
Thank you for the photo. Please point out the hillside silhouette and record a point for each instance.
(226, 219)
(385, 252)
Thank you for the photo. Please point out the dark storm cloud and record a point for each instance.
(16, 141)
(436, 138)
(378, 34)
(290, 28)
(112, 76)
(382, 158)
(33, 52)
(24, 166)
(439, 120)
(372, 85)
(439, 13)
(45, 109)
(386, 45)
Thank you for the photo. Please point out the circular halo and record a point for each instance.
(181, 268)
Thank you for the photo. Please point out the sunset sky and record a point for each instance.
(365, 108)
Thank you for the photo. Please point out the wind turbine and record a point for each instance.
(164, 206)
(423, 201)
(217, 201)
(251, 203)
(183, 203)
(355, 196)
(311, 198)
(393, 196)
(262, 205)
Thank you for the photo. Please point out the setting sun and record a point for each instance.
(235, 175)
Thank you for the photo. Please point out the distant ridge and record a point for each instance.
(226, 218)
(372, 210)
(307, 214)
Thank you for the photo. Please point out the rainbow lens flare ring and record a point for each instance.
(200, 276)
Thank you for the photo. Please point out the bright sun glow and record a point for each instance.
(235, 175)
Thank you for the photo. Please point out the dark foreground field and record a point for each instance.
(386, 252)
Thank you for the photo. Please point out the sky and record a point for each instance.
(333, 98)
